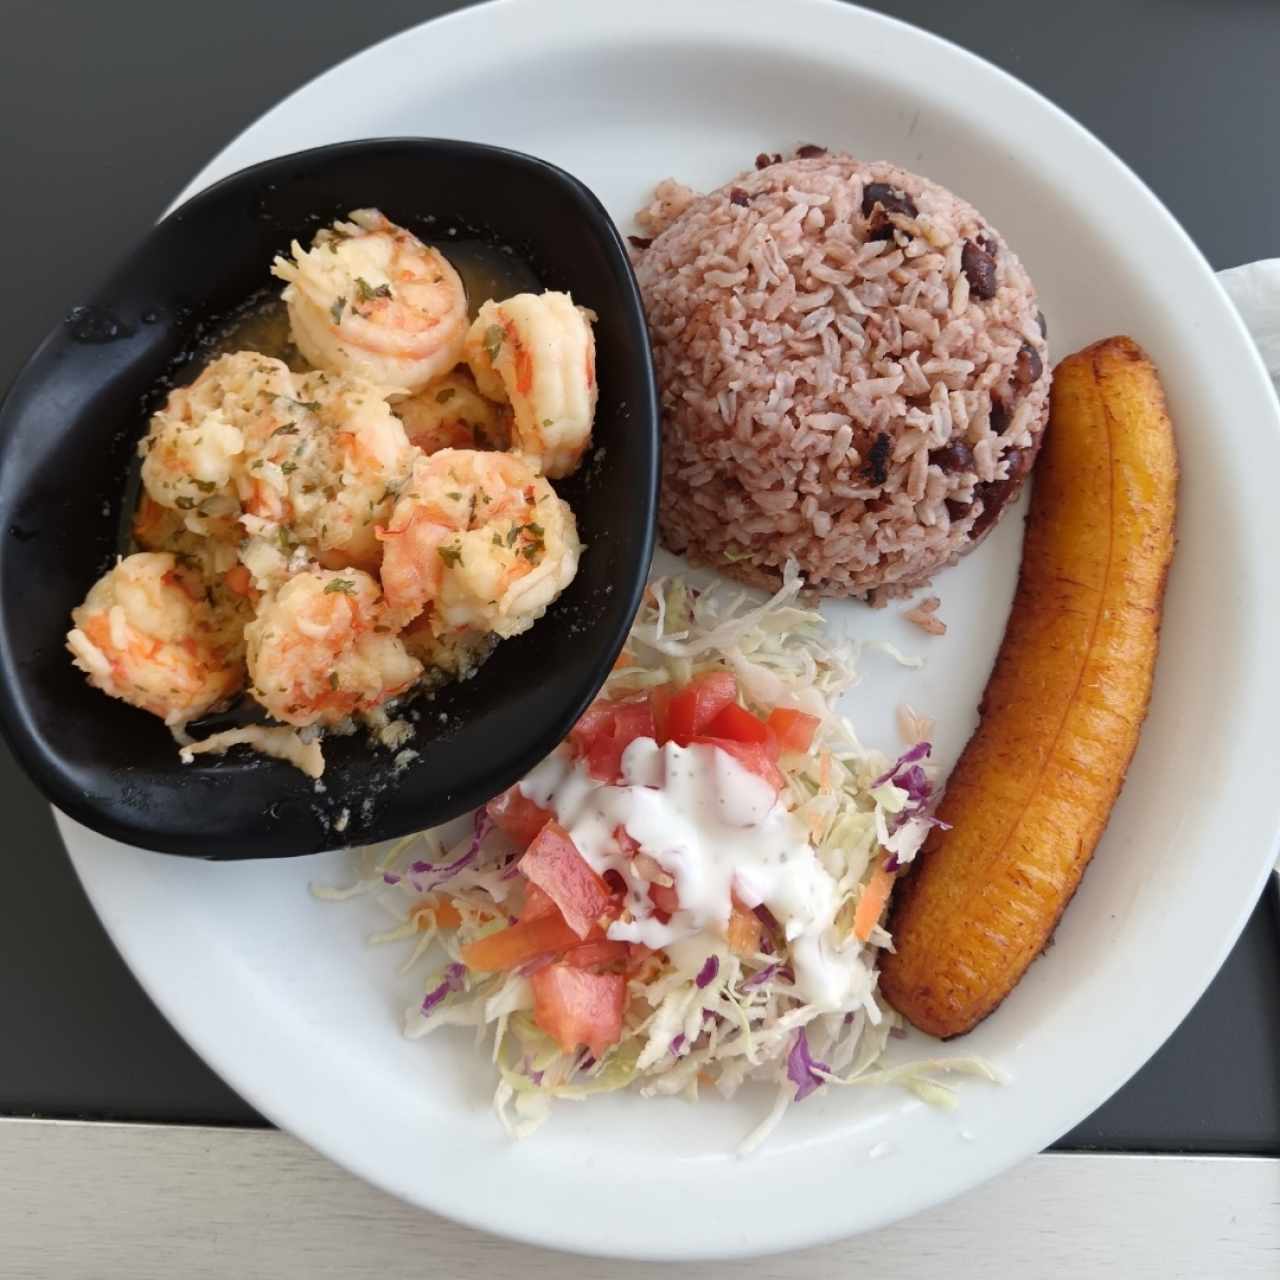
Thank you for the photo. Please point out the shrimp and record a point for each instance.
(480, 538)
(452, 414)
(146, 633)
(537, 351)
(213, 553)
(194, 447)
(320, 483)
(321, 650)
(370, 298)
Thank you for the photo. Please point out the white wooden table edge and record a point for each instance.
(144, 1201)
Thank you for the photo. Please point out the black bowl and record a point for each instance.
(68, 431)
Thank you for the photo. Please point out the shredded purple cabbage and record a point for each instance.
(913, 781)
(453, 978)
(801, 1067)
(761, 976)
(766, 917)
(919, 752)
(707, 974)
(390, 877)
(911, 778)
(678, 1043)
(482, 824)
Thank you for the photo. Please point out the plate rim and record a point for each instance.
(719, 1243)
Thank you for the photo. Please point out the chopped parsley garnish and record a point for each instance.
(546, 422)
(444, 396)
(288, 467)
(333, 679)
(452, 556)
(344, 585)
(367, 292)
(494, 336)
(454, 495)
(336, 310)
(289, 429)
(184, 503)
(205, 486)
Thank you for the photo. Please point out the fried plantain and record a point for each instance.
(1063, 707)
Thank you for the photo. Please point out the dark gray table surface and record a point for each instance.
(108, 109)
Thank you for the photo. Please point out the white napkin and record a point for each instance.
(1255, 289)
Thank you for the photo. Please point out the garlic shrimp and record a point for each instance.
(537, 352)
(452, 414)
(147, 634)
(320, 649)
(480, 541)
(369, 298)
(320, 483)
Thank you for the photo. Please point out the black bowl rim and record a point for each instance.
(16, 720)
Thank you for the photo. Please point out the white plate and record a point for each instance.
(276, 991)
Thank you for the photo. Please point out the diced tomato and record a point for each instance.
(537, 904)
(739, 725)
(606, 730)
(604, 759)
(575, 1007)
(744, 931)
(519, 943)
(599, 955)
(793, 729)
(553, 863)
(664, 898)
(629, 846)
(751, 755)
(692, 708)
(632, 720)
(517, 816)
(595, 721)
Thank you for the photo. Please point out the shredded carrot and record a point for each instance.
(824, 770)
(875, 898)
(624, 660)
(445, 914)
(704, 1077)
(744, 932)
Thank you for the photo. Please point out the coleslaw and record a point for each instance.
(689, 893)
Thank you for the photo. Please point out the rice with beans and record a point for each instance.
(853, 371)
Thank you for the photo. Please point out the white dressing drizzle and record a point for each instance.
(719, 831)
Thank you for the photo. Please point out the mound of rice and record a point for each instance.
(853, 371)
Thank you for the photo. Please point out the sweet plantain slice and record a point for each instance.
(1063, 707)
